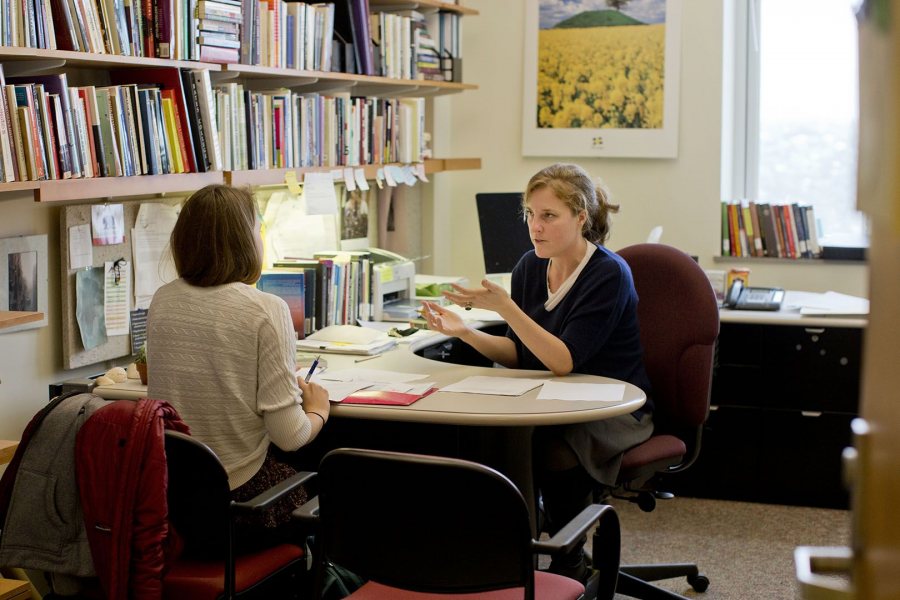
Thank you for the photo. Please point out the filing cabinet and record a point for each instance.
(782, 400)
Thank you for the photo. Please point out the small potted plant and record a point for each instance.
(140, 362)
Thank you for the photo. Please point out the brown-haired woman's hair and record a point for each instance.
(571, 184)
(214, 240)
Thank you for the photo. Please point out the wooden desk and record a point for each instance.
(511, 419)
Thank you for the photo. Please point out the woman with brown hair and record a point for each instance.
(223, 353)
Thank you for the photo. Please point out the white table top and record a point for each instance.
(455, 408)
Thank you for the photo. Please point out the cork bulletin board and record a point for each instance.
(116, 346)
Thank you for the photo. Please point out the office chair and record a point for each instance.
(422, 527)
(679, 321)
(202, 513)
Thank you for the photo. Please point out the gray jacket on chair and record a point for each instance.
(44, 528)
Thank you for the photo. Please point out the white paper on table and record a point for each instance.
(374, 375)
(498, 386)
(595, 392)
(81, 250)
(474, 314)
(338, 390)
(403, 388)
(116, 295)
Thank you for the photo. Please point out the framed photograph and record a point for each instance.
(601, 78)
(23, 277)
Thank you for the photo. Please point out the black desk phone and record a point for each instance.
(740, 297)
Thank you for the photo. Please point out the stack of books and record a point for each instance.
(770, 230)
(219, 30)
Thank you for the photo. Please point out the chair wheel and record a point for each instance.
(699, 582)
(646, 502)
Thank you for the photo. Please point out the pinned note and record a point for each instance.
(290, 178)
(379, 178)
(420, 172)
(361, 183)
(349, 180)
(389, 176)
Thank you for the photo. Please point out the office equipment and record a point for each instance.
(419, 534)
(202, 512)
(741, 297)
(679, 322)
(393, 286)
(504, 235)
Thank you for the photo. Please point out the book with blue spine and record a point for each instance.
(290, 286)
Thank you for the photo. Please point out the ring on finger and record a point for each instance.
(468, 305)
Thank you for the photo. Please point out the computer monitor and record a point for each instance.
(504, 234)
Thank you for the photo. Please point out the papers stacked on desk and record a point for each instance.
(347, 339)
(829, 304)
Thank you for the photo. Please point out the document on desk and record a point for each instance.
(498, 386)
(595, 392)
(373, 375)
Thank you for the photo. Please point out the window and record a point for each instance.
(800, 103)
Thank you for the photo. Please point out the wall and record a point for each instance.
(683, 194)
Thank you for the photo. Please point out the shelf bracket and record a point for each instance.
(220, 76)
(16, 68)
(279, 83)
(387, 90)
(326, 86)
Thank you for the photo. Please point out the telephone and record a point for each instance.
(753, 298)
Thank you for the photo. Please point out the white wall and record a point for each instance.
(683, 195)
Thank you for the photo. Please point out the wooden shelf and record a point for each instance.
(422, 5)
(67, 58)
(326, 81)
(12, 318)
(256, 177)
(64, 190)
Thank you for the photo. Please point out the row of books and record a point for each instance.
(330, 288)
(124, 27)
(283, 129)
(772, 230)
(405, 48)
(148, 122)
(291, 35)
(169, 120)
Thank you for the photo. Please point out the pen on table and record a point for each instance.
(312, 368)
(359, 360)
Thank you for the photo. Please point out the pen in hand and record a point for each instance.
(312, 369)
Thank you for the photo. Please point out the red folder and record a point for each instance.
(383, 397)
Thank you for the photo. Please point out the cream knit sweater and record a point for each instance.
(224, 357)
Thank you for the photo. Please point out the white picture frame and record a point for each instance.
(644, 136)
(23, 277)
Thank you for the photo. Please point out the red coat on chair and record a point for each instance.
(121, 472)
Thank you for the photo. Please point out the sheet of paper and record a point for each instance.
(403, 388)
(81, 251)
(595, 392)
(373, 375)
(499, 386)
(475, 314)
(108, 224)
(89, 307)
(116, 296)
(153, 266)
(318, 191)
(338, 390)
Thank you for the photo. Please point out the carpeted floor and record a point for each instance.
(745, 549)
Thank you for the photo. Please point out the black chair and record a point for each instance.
(202, 513)
(679, 322)
(424, 527)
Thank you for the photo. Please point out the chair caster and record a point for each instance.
(646, 501)
(699, 582)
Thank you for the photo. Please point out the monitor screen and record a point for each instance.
(504, 234)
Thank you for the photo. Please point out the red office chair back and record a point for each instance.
(679, 322)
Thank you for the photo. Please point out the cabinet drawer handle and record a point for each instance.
(814, 329)
(811, 413)
(713, 408)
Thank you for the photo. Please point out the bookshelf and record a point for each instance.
(85, 68)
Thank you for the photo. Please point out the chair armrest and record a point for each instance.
(567, 537)
(274, 493)
(308, 512)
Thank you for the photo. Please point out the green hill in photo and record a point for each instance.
(597, 18)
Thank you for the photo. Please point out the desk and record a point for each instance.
(511, 417)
